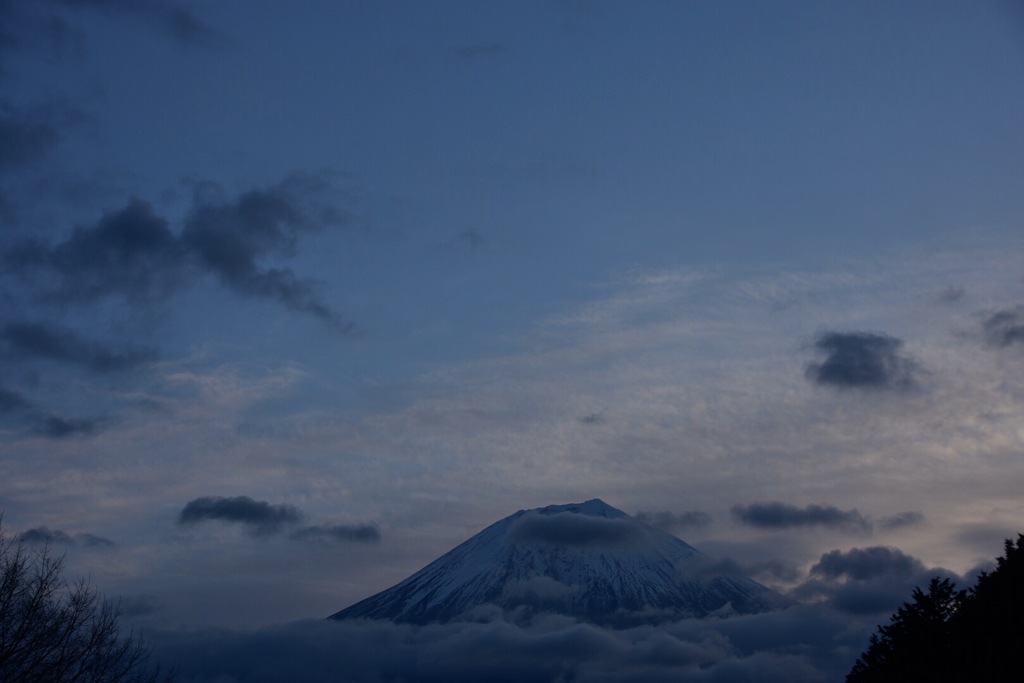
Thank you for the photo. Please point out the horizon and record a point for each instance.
(294, 301)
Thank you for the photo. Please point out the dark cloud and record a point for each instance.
(867, 563)
(45, 536)
(57, 427)
(26, 136)
(358, 533)
(133, 253)
(862, 360)
(775, 515)
(900, 520)
(572, 530)
(12, 402)
(231, 237)
(1004, 327)
(260, 517)
(866, 581)
(668, 521)
(52, 342)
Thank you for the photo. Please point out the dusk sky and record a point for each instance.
(295, 297)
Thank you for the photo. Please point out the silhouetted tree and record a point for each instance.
(950, 635)
(52, 631)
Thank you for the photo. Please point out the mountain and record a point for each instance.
(586, 560)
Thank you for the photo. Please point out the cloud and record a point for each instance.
(800, 644)
(358, 533)
(867, 563)
(775, 515)
(230, 237)
(12, 401)
(133, 253)
(863, 581)
(667, 521)
(900, 520)
(57, 427)
(45, 536)
(1004, 327)
(862, 360)
(52, 342)
(27, 135)
(261, 517)
(572, 530)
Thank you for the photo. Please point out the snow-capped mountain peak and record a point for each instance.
(588, 560)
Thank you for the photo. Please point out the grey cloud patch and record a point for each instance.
(866, 581)
(775, 515)
(52, 342)
(568, 529)
(57, 427)
(668, 521)
(27, 135)
(950, 295)
(230, 237)
(133, 253)
(900, 520)
(1004, 327)
(862, 360)
(349, 533)
(867, 563)
(261, 517)
(12, 401)
(45, 536)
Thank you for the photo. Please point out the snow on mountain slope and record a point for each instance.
(587, 560)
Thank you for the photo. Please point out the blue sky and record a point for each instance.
(393, 271)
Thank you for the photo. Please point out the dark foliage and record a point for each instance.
(949, 635)
(52, 631)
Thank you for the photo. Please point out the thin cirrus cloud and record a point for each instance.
(776, 515)
(261, 518)
(133, 252)
(862, 360)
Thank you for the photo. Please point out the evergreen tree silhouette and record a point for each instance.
(949, 635)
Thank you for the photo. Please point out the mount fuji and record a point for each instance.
(586, 560)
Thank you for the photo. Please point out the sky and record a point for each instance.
(295, 297)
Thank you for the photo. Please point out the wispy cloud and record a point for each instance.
(1004, 327)
(133, 254)
(54, 342)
